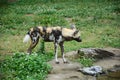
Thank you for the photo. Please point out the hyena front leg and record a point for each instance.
(56, 52)
(62, 52)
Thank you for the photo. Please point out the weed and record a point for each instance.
(86, 62)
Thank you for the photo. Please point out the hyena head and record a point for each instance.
(34, 34)
(76, 36)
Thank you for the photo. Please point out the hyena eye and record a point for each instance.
(33, 35)
(75, 32)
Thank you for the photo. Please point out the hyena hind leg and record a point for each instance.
(32, 46)
(56, 52)
(62, 52)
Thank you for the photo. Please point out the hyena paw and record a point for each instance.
(66, 62)
(57, 62)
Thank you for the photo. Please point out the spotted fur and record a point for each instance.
(58, 35)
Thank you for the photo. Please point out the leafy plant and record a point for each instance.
(86, 61)
(25, 67)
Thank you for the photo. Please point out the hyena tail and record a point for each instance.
(26, 38)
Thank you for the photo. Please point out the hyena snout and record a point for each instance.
(78, 39)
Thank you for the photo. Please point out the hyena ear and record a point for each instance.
(75, 32)
(73, 26)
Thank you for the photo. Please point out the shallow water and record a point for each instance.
(110, 76)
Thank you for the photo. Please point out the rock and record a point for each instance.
(72, 55)
(113, 73)
(93, 70)
(115, 68)
(95, 53)
(107, 63)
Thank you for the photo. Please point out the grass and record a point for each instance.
(98, 21)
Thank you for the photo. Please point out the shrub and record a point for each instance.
(25, 67)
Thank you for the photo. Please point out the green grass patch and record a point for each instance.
(97, 20)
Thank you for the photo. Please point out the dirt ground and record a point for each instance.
(70, 71)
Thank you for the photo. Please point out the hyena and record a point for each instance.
(57, 35)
